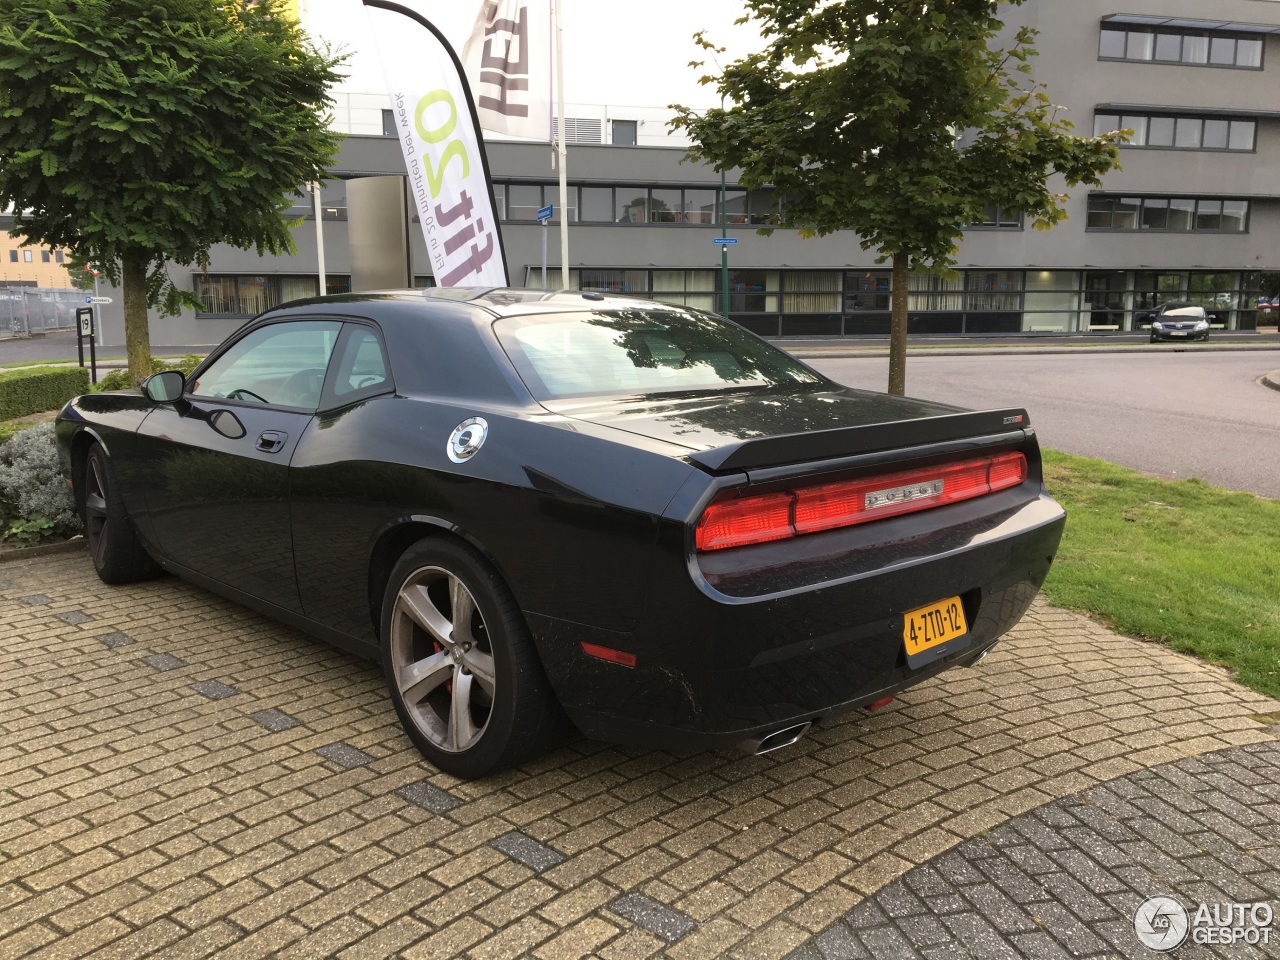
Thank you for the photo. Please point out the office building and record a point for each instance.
(1194, 214)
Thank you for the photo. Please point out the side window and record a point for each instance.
(360, 368)
(282, 364)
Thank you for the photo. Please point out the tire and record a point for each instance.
(118, 556)
(475, 700)
(1153, 338)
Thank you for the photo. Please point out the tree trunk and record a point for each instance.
(137, 337)
(898, 326)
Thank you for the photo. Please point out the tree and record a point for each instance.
(140, 133)
(895, 119)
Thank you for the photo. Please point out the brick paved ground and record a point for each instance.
(180, 777)
(1067, 879)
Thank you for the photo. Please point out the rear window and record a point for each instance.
(641, 351)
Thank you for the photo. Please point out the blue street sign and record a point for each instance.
(728, 240)
(546, 212)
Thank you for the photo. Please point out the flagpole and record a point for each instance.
(563, 152)
(317, 206)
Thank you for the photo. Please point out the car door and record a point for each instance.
(218, 500)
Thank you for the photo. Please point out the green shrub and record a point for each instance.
(34, 500)
(185, 364)
(37, 389)
(119, 379)
(115, 380)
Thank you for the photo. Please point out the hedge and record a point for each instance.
(30, 390)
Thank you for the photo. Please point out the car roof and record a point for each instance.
(461, 358)
(497, 301)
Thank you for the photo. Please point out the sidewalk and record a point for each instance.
(183, 778)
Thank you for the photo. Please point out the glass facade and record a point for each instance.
(1202, 48)
(648, 204)
(1173, 132)
(810, 303)
(247, 295)
(1168, 214)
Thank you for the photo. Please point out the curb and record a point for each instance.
(1271, 379)
(8, 554)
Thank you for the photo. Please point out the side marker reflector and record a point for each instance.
(609, 654)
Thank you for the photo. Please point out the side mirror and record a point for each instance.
(164, 387)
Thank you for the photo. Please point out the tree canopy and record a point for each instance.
(898, 120)
(142, 132)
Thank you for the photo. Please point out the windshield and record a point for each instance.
(641, 351)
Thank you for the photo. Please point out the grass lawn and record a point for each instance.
(1190, 565)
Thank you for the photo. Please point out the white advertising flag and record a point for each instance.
(508, 61)
(443, 150)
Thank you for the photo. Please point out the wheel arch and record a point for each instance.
(81, 443)
(398, 536)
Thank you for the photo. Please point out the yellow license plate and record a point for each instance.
(927, 627)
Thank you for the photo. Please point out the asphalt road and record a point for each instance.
(1175, 414)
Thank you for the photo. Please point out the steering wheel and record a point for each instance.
(369, 381)
(302, 389)
(240, 393)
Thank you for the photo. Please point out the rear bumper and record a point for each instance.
(713, 669)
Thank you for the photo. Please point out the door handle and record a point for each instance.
(271, 441)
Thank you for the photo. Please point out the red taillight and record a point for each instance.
(739, 521)
(1008, 470)
(744, 520)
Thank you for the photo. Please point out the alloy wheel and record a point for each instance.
(95, 510)
(442, 659)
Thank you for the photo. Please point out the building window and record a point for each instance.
(997, 218)
(633, 204)
(812, 291)
(642, 203)
(26, 256)
(1179, 132)
(753, 291)
(624, 133)
(44, 256)
(1162, 45)
(615, 281)
(524, 200)
(687, 288)
(244, 295)
(1168, 214)
(664, 206)
(13, 256)
(867, 291)
(596, 205)
(389, 124)
(927, 291)
(735, 207)
(58, 256)
(993, 290)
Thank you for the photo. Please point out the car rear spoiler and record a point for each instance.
(868, 438)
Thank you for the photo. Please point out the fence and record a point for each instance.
(34, 311)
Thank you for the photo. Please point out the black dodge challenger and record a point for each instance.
(535, 505)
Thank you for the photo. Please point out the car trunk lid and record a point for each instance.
(745, 430)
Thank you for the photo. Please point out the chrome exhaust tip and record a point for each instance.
(776, 740)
